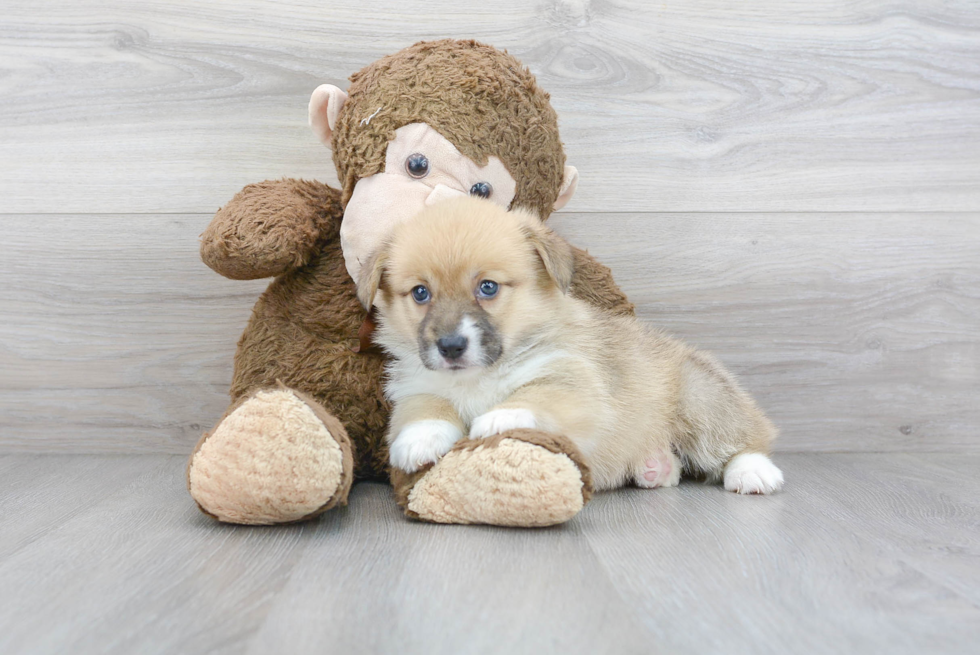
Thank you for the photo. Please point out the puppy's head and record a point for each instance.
(465, 282)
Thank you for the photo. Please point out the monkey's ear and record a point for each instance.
(325, 105)
(555, 253)
(568, 184)
(370, 277)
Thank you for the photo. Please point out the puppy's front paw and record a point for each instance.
(421, 443)
(752, 473)
(498, 421)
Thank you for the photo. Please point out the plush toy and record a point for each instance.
(308, 414)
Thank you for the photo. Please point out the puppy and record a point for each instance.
(474, 308)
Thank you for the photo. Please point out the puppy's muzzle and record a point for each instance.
(453, 339)
(452, 347)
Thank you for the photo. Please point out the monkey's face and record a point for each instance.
(421, 165)
(421, 168)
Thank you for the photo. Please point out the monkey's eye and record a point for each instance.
(482, 189)
(420, 294)
(488, 289)
(417, 165)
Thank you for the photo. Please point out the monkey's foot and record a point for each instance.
(276, 457)
(522, 478)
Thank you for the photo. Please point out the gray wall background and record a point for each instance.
(792, 185)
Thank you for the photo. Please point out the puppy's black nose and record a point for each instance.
(452, 347)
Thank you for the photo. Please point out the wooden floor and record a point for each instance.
(860, 554)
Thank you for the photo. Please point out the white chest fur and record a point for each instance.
(473, 391)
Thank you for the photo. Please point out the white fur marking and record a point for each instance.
(498, 421)
(472, 391)
(474, 337)
(752, 473)
(367, 121)
(422, 442)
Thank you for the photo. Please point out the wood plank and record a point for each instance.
(447, 589)
(143, 571)
(856, 333)
(957, 473)
(116, 337)
(41, 492)
(709, 571)
(114, 106)
(910, 510)
(123, 575)
(852, 557)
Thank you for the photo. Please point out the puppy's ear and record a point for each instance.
(555, 253)
(371, 272)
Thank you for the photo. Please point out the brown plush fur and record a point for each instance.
(552, 442)
(339, 433)
(249, 238)
(472, 94)
(303, 330)
(404, 482)
(247, 481)
(510, 481)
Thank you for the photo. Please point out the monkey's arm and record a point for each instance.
(593, 283)
(271, 227)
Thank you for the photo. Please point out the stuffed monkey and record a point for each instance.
(308, 414)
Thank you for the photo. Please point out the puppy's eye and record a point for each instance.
(420, 294)
(481, 189)
(417, 165)
(488, 289)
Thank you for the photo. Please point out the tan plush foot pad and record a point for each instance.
(503, 481)
(270, 460)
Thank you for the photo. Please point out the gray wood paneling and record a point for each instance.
(115, 337)
(856, 332)
(850, 534)
(438, 592)
(41, 492)
(694, 106)
(859, 554)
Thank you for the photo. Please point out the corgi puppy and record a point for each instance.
(474, 308)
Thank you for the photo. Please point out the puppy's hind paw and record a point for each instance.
(662, 469)
(498, 421)
(421, 443)
(752, 473)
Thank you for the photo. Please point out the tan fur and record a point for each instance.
(622, 393)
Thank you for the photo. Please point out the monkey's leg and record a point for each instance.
(276, 456)
(521, 478)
